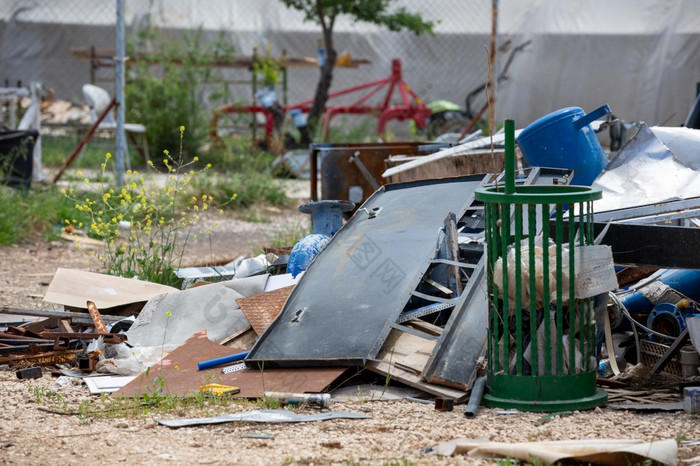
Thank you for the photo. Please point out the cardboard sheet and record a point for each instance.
(74, 288)
(597, 451)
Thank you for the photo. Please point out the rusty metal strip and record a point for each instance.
(96, 318)
(42, 359)
(108, 337)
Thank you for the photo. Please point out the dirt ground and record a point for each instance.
(395, 433)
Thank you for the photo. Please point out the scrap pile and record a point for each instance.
(403, 288)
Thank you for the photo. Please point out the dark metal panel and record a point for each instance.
(339, 173)
(341, 311)
(653, 245)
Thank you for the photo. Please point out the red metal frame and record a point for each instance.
(411, 106)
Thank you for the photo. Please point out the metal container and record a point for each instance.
(565, 139)
(541, 351)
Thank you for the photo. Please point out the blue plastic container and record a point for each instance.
(565, 139)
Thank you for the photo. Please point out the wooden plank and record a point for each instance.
(403, 357)
(64, 326)
(456, 165)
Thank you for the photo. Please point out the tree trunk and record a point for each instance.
(324, 82)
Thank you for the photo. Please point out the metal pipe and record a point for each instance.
(221, 361)
(510, 156)
(475, 397)
(120, 139)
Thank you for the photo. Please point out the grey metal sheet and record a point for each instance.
(453, 362)
(660, 212)
(342, 310)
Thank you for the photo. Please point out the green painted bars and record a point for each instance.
(557, 372)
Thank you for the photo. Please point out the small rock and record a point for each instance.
(122, 425)
(597, 410)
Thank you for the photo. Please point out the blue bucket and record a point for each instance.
(565, 139)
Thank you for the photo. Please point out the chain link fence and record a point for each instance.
(66, 43)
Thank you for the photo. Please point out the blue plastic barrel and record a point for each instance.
(565, 139)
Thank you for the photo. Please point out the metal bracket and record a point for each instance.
(371, 213)
(423, 311)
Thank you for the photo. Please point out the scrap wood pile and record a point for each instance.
(407, 290)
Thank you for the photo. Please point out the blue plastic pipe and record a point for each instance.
(221, 361)
(686, 282)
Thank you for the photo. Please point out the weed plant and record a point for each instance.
(145, 227)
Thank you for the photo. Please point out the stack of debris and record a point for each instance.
(399, 290)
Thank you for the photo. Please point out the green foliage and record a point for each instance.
(370, 11)
(145, 227)
(162, 88)
(363, 130)
(154, 393)
(250, 189)
(266, 68)
(25, 213)
(289, 235)
(56, 149)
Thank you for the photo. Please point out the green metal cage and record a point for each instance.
(541, 339)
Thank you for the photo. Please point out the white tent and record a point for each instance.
(639, 56)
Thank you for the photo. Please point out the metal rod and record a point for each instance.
(510, 156)
(96, 318)
(120, 139)
(60, 314)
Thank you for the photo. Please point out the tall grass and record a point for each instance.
(39, 211)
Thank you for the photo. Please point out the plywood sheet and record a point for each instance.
(71, 287)
(182, 377)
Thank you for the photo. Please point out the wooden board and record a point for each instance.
(182, 377)
(403, 357)
(456, 165)
(74, 288)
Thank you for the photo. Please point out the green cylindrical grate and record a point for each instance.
(541, 341)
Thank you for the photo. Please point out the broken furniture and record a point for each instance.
(541, 338)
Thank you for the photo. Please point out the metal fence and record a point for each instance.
(66, 43)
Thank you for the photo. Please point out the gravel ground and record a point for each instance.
(33, 432)
(395, 433)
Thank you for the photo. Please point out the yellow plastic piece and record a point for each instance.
(219, 390)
